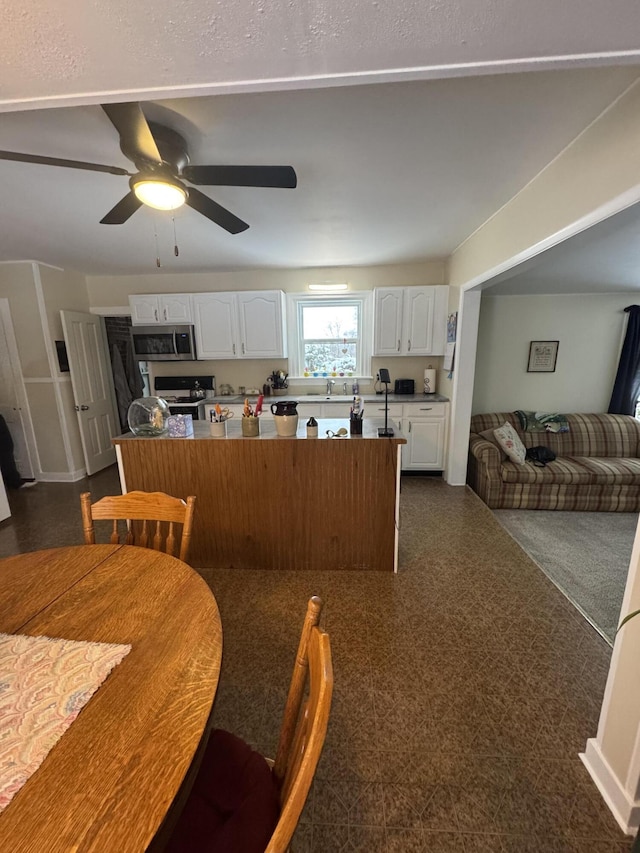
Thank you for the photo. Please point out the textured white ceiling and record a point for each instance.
(388, 172)
(75, 51)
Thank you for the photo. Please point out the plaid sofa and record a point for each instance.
(597, 466)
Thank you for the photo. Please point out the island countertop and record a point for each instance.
(268, 431)
(272, 502)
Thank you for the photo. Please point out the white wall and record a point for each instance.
(36, 293)
(114, 290)
(63, 290)
(600, 165)
(589, 329)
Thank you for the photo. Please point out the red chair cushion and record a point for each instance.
(233, 806)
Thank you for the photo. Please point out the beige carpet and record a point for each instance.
(585, 554)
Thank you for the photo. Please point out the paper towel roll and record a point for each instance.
(430, 380)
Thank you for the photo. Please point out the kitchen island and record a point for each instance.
(278, 503)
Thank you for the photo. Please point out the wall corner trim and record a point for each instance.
(625, 810)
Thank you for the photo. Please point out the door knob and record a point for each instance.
(81, 408)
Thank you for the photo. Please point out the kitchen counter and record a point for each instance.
(278, 503)
(373, 398)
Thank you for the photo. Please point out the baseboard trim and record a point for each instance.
(625, 810)
(61, 476)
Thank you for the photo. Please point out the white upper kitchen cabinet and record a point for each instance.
(214, 318)
(410, 320)
(261, 324)
(152, 309)
(247, 324)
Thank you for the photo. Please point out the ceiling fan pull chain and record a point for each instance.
(176, 250)
(155, 234)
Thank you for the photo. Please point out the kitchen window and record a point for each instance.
(330, 336)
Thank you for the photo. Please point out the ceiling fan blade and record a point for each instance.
(241, 176)
(56, 161)
(125, 208)
(136, 139)
(213, 211)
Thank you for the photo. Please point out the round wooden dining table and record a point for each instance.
(109, 781)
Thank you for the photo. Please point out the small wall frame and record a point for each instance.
(542, 356)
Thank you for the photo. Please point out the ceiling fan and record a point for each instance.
(161, 158)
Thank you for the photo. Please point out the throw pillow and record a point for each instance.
(511, 443)
(488, 435)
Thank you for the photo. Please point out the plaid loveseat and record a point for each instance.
(597, 466)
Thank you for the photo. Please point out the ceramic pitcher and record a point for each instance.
(285, 416)
(284, 407)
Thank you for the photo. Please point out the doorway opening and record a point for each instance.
(130, 377)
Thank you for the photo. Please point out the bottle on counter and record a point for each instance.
(312, 427)
(355, 388)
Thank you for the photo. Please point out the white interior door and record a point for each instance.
(12, 402)
(92, 383)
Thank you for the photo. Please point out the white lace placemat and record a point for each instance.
(44, 684)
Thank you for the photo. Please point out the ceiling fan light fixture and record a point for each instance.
(162, 194)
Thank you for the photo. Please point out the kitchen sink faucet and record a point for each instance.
(330, 384)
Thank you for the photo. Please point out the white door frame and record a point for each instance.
(20, 389)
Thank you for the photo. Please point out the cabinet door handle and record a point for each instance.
(427, 409)
(409, 426)
(242, 347)
(398, 345)
(409, 345)
(165, 313)
(155, 314)
(234, 349)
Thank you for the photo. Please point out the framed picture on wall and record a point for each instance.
(542, 356)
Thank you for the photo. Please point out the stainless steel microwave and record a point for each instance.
(163, 343)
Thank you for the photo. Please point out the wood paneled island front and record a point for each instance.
(278, 503)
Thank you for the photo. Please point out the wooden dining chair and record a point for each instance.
(165, 510)
(241, 802)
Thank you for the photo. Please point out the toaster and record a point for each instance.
(404, 386)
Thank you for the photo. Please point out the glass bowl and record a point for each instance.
(148, 416)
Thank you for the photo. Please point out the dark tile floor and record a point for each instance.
(465, 686)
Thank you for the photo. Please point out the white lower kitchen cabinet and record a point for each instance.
(307, 410)
(424, 425)
(425, 428)
(376, 410)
